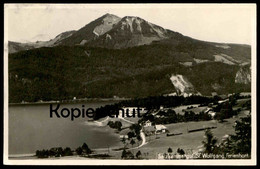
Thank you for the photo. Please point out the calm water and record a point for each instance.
(31, 128)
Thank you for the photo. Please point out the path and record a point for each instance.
(126, 120)
(142, 135)
(100, 123)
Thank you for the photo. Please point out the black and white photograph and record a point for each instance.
(129, 84)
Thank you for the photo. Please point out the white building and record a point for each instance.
(147, 123)
(123, 136)
(212, 113)
(160, 128)
(222, 101)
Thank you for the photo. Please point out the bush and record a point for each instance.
(180, 151)
(169, 150)
(67, 152)
(138, 154)
(79, 150)
(86, 149)
(127, 155)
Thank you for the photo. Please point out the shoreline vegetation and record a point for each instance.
(166, 111)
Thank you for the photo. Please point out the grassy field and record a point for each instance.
(179, 109)
(187, 141)
(240, 103)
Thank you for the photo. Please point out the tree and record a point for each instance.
(130, 134)
(220, 116)
(240, 142)
(139, 139)
(180, 151)
(136, 128)
(123, 140)
(132, 142)
(37, 153)
(226, 145)
(110, 124)
(79, 150)
(127, 154)
(53, 151)
(242, 137)
(123, 154)
(118, 125)
(138, 154)
(59, 152)
(86, 149)
(67, 152)
(169, 150)
(210, 142)
(42, 154)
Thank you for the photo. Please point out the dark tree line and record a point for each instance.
(60, 152)
(170, 116)
(116, 125)
(149, 103)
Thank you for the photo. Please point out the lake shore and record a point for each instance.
(98, 152)
(69, 101)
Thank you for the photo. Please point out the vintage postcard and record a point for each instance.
(130, 84)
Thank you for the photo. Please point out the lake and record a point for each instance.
(31, 129)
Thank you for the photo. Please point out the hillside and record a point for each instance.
(64, 72)
(14, 47)
(125, 57)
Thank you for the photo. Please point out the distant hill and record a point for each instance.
(125, 57)
(16, 46)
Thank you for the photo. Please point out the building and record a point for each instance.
(214, 94)
(171, 94)
(212, 113)
(157, 129)
(223, 96)
(123, 136)
(160, 128)
(147, 123)
(223, 101)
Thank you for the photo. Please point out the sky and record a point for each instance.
(225, 23)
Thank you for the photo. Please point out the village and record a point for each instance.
(169, 132)
(183, 125)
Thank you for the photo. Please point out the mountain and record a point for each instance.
(16, 46)
(108, 31)
(127, 57)
(40, 37)
(92, 30)
(111, 31)
(129, 32)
